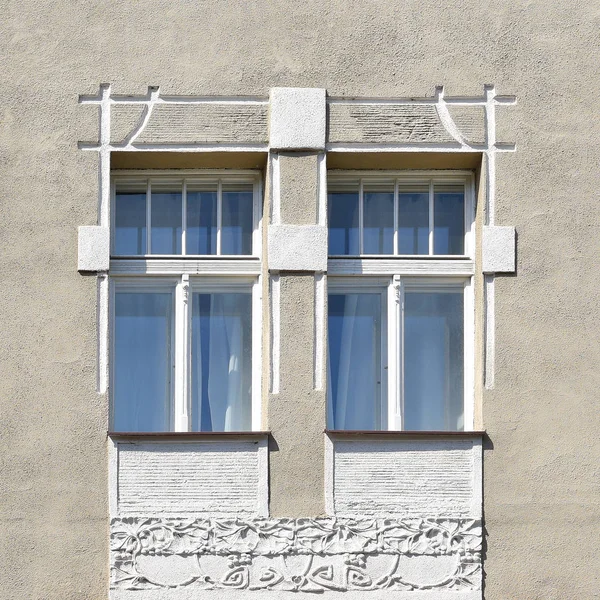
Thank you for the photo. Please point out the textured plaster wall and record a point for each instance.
(299, 188)
(297, 412)
(542, 501)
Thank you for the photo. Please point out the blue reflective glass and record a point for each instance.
(129, 237)
(413, 221)
(221, 362)
(449, 220)
(354, 361)
(166, 219)
(236, 220)
(142, 362)
(378, 220)
(342, 207)
(433, 361)
(201, 222)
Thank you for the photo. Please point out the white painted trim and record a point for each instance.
(395, 147)
(477, 501)
(104, 158)
(329, 475)
(490, 331)
(392, 265)
(275, 189)
(257, 353)
(275, 331)
(469, 355)
(113, 478)
(262, 510)
(322, 189)
(102, 318)
(177, 265)
(319, 343)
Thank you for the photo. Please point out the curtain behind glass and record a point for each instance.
(354, 362)
(221, 362)
(142, 361)
(433, 361)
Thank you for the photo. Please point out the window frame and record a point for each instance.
(399, 273)
(416, 178)
(187, 177)
(185, 275)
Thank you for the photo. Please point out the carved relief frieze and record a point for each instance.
(299, 555)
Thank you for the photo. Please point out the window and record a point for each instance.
(400, 305)
(185, 302)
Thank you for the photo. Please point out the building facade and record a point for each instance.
(299, 299)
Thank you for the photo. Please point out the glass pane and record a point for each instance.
(221, 362)
(433, 361)
(342, 211)
(236, 230)
(355, 374)
(449, 219)
(142, 361)
(413, 220)
(378, 219)
(165, 237)
(201, 224)
(130, 220)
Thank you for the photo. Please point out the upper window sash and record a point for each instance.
(420, 214)
(196, 214)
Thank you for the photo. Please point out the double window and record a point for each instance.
(185, 303)
(400, 306)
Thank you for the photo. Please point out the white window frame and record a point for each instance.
(397, 273)
(186, 178)
(185, 275)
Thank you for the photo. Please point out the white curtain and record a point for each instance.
(222, 375)
(354, 389)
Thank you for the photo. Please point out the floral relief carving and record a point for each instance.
(302, 555)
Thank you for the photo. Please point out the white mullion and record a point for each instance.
(182, 292)
(394, 407)
(184, 218)
(360, 218)
(148, 216)
(469, 356)
(219, 215)
(257, 355)
(396, 217)
(431, 221)
(256, 218)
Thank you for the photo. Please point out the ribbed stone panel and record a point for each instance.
(206, 123)
(385, 123)
(412, 477)
(188, 478)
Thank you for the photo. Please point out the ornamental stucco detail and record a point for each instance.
(296, 555)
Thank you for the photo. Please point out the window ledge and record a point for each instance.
(354, 433)
(188, 435)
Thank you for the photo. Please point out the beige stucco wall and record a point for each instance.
(542, 501)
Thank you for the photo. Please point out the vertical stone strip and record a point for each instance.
(297, 258)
